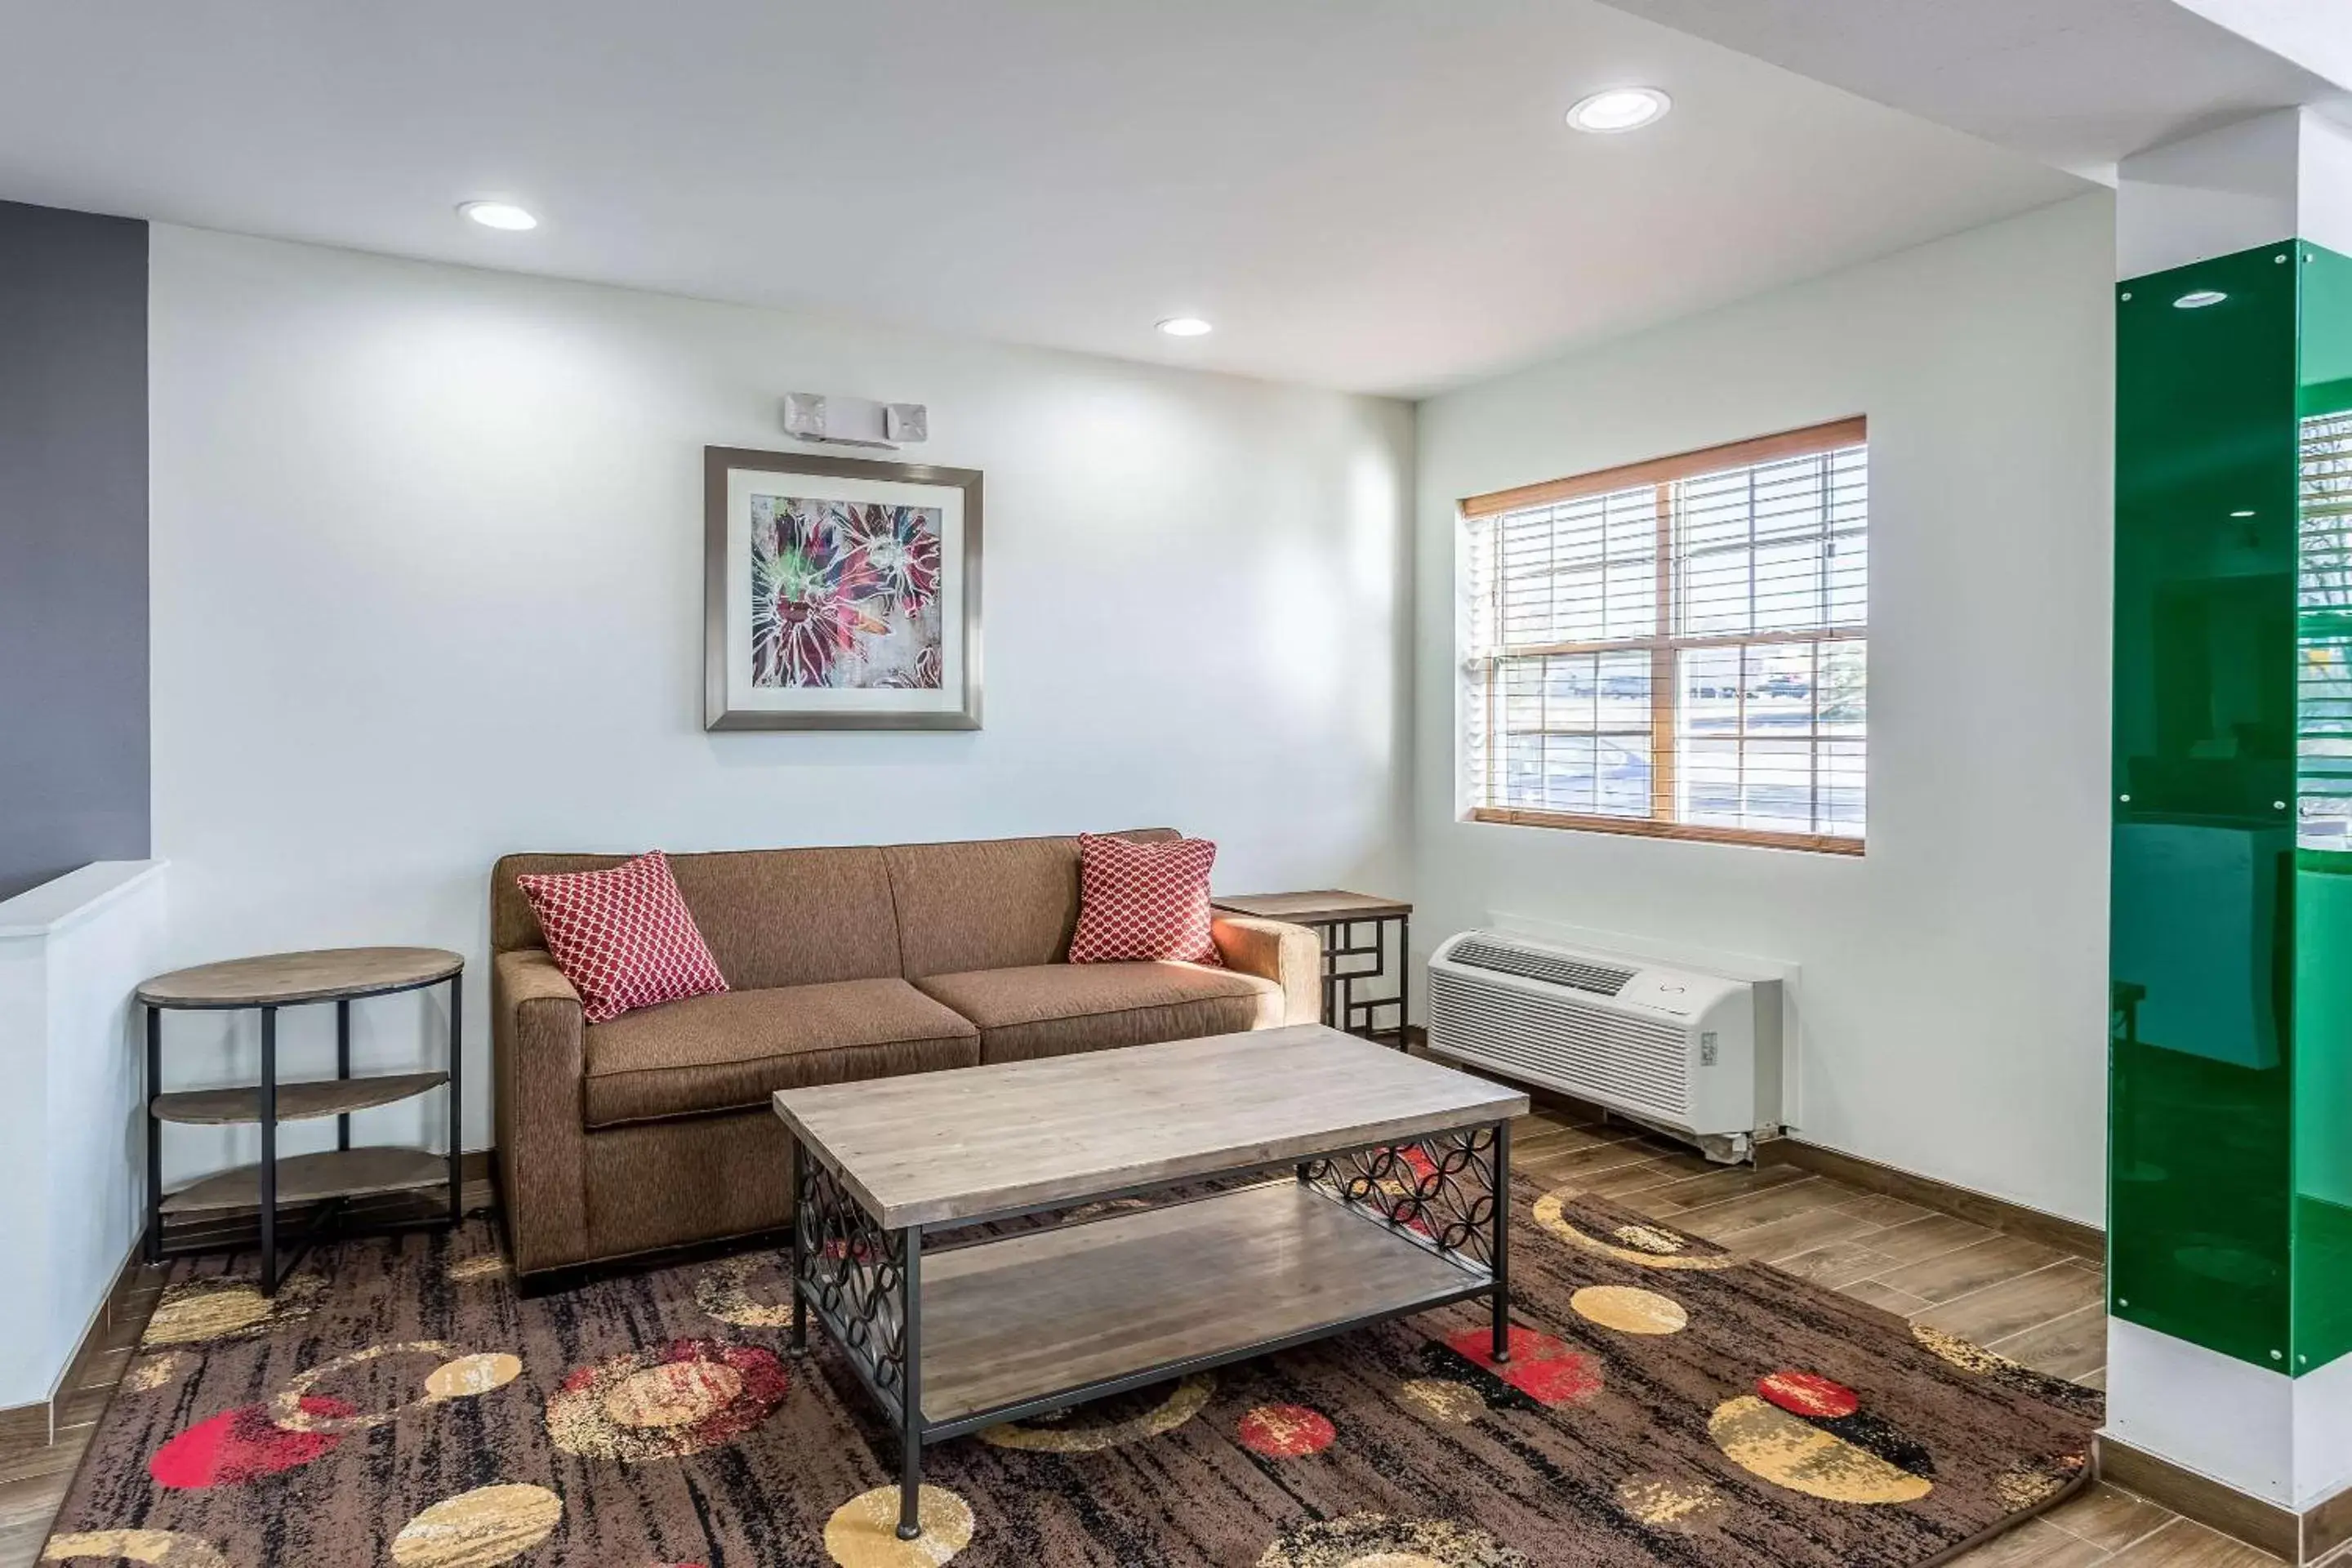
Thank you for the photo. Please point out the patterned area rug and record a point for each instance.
(1666, 1404)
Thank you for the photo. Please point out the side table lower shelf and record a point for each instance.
(315, 1178)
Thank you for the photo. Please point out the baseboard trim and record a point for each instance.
(2001, 1214)
(38, 1422)
(2327, 1526)
(2299, 1537)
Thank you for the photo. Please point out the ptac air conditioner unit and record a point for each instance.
(1691, 1054)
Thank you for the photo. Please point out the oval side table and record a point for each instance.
(340, 975)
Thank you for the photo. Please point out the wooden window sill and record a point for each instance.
(1651, 827)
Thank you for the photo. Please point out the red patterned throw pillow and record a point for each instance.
(623, 937)
(1143, 901)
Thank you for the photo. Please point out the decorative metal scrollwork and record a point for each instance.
(1441, 1189)
(856, 1276)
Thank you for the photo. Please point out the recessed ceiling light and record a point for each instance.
(1185, 327)
(1619, 109)
(2197, 299)
(499, 215)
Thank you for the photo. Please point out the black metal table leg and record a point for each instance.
(154, 1136)
(910, 1426)
(269, 1151)
(1330, 979)
(343, 1065)
(1404, 973)
(1502, 1260)
(799, 1225)
(456, 1099)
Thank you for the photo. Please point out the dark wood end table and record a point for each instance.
(1335, 915)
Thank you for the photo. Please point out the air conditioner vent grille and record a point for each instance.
(1530, 964)
(1572, 1045)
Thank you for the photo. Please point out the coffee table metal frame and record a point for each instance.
(864, 1283)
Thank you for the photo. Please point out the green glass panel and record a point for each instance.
(2203, 874)
(2322, 1055)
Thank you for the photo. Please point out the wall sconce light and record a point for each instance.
(855, 421)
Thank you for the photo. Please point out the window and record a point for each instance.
(1678, 647)
(2324, 634)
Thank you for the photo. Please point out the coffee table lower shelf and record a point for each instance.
(1041, 1320)
(1050, 1318)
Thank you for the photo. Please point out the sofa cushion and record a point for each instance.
(997, 904)
(1052, 1009)
(772, 917)
(623, 936)
(732, 1050)
(1143, 901)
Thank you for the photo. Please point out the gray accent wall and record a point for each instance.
(73, 542)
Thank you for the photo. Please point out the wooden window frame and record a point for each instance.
(1662, 644)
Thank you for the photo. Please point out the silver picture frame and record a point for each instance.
(728, 472)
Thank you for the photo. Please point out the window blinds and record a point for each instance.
(1678, 646)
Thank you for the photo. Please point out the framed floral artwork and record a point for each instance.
(839, 593)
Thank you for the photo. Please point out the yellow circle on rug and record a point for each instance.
(1037, 1436)
(149, 1373)
(673, 1393)
(287, 1411)
(205, 1315)
(1550, 1211)
(666, 1402)
(724, 1291)
(863, 1531)
(227, 1307)
(164, 1548)
(471, 1375)
(1768, 1442)
(1442, 1399)
(478, 1529)
(1650, 1239)
(1666, 1504)
(1629, 1309)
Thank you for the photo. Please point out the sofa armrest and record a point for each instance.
(1291, 956)
(539, 1042)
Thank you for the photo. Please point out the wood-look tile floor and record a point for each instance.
(2033, 1303)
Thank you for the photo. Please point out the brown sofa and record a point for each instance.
(654, 1129)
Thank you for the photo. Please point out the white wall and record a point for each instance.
(1953, 979)
(427, 556)
(72, 1136)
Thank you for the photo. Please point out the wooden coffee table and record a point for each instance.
(1390, 1201)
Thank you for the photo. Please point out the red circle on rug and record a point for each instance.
(1809, 1393)
(243, 1445)
(1541, 1367)
(1286, 1431)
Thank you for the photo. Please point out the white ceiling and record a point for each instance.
(2076, 84)
(1374, 195)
